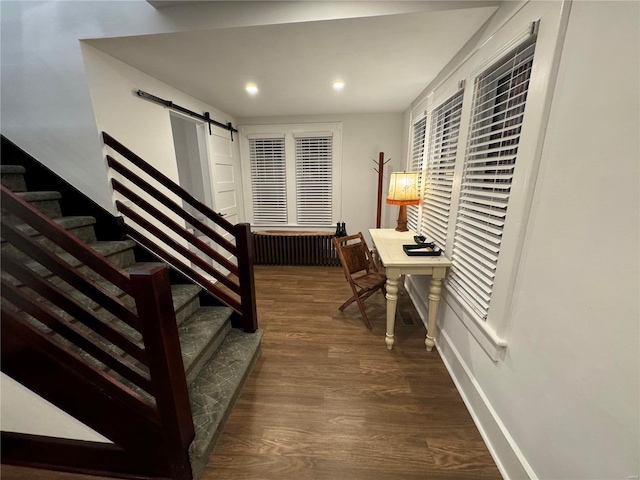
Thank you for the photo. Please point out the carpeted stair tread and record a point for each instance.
(200, 335)
(39, 196)
(12, 170)
(104, 248)
(182, 296)
(215, 390)
(12, 177)
(68, 223)
(47, 202)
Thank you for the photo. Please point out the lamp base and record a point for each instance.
(402, 219)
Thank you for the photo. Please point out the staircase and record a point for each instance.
(216, 358)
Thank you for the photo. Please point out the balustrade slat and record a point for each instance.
(163, 237)
(21, 341)
(61, 237)
(170, 204)
(190, 272)
(165, 220)
(66, 272)
(166, 182)
(71, 332)
(73, 307)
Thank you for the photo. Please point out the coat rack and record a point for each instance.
(380, 170)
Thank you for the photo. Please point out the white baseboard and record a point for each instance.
(508, 457)
(505, 452)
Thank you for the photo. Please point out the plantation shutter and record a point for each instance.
(440, 163)
(314, 167)
(417, 156)
(492, 148)
(268, 180)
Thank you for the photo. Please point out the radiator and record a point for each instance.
(294, 248)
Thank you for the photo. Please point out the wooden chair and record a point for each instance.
(360, 270)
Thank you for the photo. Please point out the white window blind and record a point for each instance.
(417, 158)
(268, 180)
(440, 162)
(492, 147)
(314, 167)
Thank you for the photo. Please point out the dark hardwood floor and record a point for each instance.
(326, 400)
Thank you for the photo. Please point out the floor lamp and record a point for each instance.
(403, 191)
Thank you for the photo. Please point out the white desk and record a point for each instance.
(388, 245)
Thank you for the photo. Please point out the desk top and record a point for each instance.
(389, 241)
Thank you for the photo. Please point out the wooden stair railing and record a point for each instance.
(236, 290)
(136, 397)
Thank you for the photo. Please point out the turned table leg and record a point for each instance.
(434, 300)
(392, 300)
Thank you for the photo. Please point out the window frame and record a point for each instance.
(290, 132)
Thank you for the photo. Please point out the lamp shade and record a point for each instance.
(403, 189)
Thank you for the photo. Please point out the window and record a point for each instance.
(292, 174)
(499, 99)
(313, 180)
(417, 158)
(439, 168)
(268, 180)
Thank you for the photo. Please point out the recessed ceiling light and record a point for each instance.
(338, 85)
(251, 88)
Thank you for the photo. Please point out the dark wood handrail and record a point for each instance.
(242, 249)
(181, 267)
(37, 358)
(64, 239)
(66, 272)
(71, 332)
(166, 182)
(165, 220)
(71, 306)
(181, 249)
(171, 205)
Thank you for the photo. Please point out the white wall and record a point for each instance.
(363, 138)
(564, 403)
(45, 102)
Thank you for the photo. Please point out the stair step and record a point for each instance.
(47, 202)
(215, 390)
(12, 177)
(12, 169)
(81, 227)
(197, 347)
(185, 300)
(200, 335)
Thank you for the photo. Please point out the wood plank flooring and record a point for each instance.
(326, 400)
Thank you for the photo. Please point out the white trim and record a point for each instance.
(519, 39)
(491, 343)
(494, 346)
(290, 131)
(509, 459)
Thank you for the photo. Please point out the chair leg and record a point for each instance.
(365, 319)
(347, 303)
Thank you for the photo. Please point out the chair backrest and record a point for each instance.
(354, 254)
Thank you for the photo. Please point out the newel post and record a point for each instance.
(244, 245)
(154, 303)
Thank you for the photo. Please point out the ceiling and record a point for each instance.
(385, 61)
